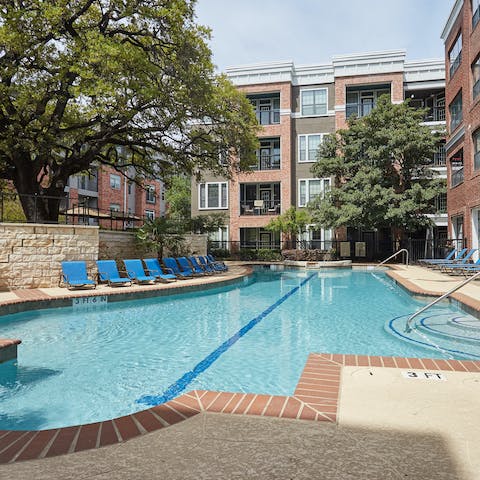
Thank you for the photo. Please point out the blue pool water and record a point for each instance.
(87, 364)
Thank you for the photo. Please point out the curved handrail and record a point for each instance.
(408, 327)
(393, 256)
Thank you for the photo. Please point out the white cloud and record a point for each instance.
(311, 31)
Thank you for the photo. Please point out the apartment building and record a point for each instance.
(462, 60)
(296, 107)
(108, 199)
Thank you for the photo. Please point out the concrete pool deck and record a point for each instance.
(387, 424)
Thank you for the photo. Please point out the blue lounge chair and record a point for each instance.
(136, 272)
(463, 261)
(200, 268)
(462, 268)
(74, 275)
(172, 265)
(154, 268)
(186, 267)
(217, 264)
(449, 257)
(207, 266)
(108, 272)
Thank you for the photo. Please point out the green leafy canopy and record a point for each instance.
(126, 83)
(382, 169)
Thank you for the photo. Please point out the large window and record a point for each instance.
(476, 77)
(475, 13)
(456, 168)
(213, 195)
(311, 188)
(115, 182)
(150, 215)
(308, 146)
(313, 102)
(150, 194)
(455, 55)
(361, 101)
(316, 238)
(476, 149)
(456, 112)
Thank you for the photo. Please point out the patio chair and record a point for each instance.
(449, 257)
(187, 267)
(154, 268)
(463, 261)
(462, 268)
(136, 273)
(212, 259)
(172, 265)
(207, 265)
(204, 260)
(74, 275)
(108, 272)
(200, 268)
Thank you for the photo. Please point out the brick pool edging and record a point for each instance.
(315, 398)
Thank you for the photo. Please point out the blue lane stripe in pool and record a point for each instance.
(182, 383)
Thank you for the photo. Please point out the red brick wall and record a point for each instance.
(462, 198)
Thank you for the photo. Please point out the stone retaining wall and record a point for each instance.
(30, 254)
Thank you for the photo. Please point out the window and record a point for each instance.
(308, 146)
(150, 215)
(456, 167)
(114, 207)
(129, 187)
(317, 238)
(456, 112)
(150, 194)
(455, 55)
(268, 156)
(313, 102)
(476, 78)
(218, 238)
(311, 188)
(115, 182)
(475, 13)
(213, 195)
(476, 149)
(361, 101)
(267, 110)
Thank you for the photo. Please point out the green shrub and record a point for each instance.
(263, 254)
(220, 253)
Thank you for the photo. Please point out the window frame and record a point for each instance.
(453, 64)
(150, 214)
(307, 150)
(207, 185)
(113, 184)
(458, 96)
(476, 149)
(475, 13)
(307, 181)
(150, 190)
(304, 90)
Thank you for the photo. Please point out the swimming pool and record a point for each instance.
(81, 365)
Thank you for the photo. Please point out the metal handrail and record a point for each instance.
(392, 256)
(408, 327)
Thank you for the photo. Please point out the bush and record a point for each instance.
(263, 254)
(309, 255)
(220, 253)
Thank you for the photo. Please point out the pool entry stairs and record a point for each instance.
(456, 334)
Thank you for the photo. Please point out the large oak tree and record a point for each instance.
(113, 82)
(382, 169)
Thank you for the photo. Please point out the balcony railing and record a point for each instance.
(441, 203)
(359, 109)
(259, 207)
(435, 114)
(457, 177)
(268, 117)
(440, 157)
(455, 64)
(476, 89)
(476, 161)
(267, 162)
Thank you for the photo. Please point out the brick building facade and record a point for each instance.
(296, 106)
(462, 60)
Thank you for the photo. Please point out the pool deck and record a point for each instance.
(350, 417)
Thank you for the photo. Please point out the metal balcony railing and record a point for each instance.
(267, 162)
(455, 64)
(359, 109)
(259, 207)
(268, 117)
(435, 114)
(440, 157)
(457, 177)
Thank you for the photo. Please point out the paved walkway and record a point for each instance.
(390, 424)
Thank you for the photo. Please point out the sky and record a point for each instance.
(312, 31)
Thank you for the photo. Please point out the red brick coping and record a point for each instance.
(315, 398)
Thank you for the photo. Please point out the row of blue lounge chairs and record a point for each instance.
(456, 262)
(75, 275)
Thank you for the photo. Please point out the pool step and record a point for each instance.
(456, 333)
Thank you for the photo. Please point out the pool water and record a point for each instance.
(87, 364)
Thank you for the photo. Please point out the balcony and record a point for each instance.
(259, 207)
(359, 109)
(268, 117)
(267, 108)
(457, 177)
(267, 162)
(436, 114)
(476, 89)
(440, 156)
(441, 204)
